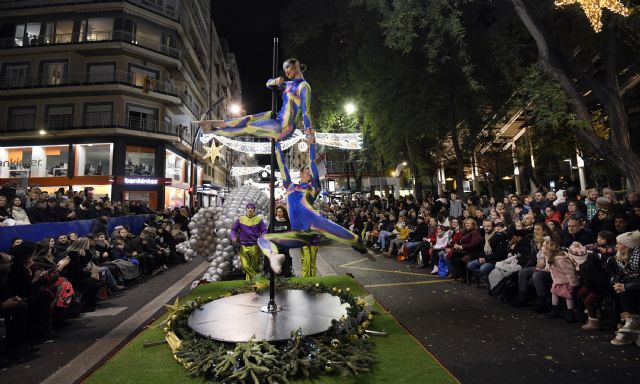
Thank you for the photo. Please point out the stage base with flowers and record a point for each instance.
(349, 351)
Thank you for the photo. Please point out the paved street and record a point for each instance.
(480, 340)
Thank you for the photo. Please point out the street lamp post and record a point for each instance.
(570, 166)
(193, 182)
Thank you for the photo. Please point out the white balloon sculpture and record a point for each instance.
(209, 231)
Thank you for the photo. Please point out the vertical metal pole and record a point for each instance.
(272, 307)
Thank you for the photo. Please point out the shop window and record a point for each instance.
(175, 167)
(141, 161)
(98, 115)
(59, 116)
(54, 73)
(93, 159)
(22, 118)
(15, 75)
(175, 197)
(101, 73)
(99, 191)
(37, 161)
(99, 29)
(150, 197)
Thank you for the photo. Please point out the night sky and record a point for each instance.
(250, 26)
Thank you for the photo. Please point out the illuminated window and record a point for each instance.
(140, 161)
(36, 161)
(93, 159)
(99, 29)
(176, 167)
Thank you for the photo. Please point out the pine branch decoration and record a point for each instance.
(344, 350)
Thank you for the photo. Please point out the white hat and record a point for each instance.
(629, 239)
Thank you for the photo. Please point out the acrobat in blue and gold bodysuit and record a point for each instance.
(307, 226)
(296, 98)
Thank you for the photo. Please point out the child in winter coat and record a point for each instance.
(595, 276)
(443, 235)
(564, 279)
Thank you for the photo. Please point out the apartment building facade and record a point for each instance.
(101, 93)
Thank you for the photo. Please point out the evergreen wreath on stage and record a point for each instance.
(343, 350)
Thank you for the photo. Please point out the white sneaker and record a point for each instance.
(275, 261)
(435, 270)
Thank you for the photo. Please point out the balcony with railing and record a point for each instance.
(91, 38)
(191, 104)
(101, 120)
(131, 79)
(95, 120)
(165, 10)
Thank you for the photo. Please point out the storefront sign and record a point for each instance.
(137, 180)
(140, 181)
(13, 163)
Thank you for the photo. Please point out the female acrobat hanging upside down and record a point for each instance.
(307, 226)
(294, 113)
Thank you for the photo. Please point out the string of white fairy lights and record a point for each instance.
(246, 171)
(337, 140)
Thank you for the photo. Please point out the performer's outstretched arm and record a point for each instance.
(284, 172)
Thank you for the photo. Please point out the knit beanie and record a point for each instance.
(578, 253)
(629, 239)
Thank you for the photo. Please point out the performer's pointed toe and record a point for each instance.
(275, 261)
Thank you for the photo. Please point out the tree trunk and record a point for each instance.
(453, 131)
(417, 184)
(617, 150)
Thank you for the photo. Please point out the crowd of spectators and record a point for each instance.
(44, 284)
(570, 251)
(21, 206)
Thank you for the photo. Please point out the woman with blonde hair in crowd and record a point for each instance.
(80, 272)
(627, 287)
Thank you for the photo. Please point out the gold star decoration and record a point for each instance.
(593, 9)
(213, 152)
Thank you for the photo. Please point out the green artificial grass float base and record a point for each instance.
(347, 352)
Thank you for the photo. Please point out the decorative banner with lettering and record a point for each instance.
(338, 140)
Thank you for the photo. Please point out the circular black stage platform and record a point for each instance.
(239, 318)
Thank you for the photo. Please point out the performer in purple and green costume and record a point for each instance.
(251, 227)
(296, 99)
(307, 226)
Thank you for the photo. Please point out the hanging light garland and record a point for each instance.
(338, 140)
(593, 9)
(246, 171)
